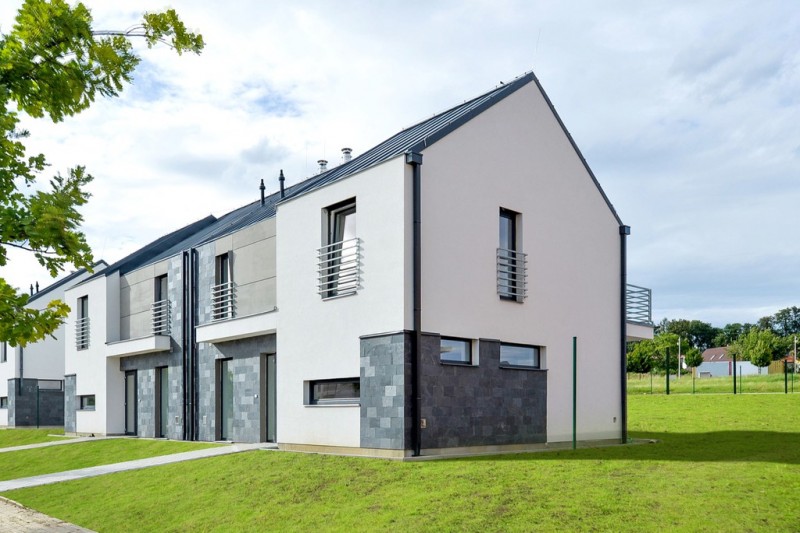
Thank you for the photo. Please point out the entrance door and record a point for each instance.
(225, 399)
(130, 402)
(162, 401)
(270, 405)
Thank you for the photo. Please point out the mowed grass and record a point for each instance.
(26, 463)
(641, 384)
(722, 463)
(10, 437)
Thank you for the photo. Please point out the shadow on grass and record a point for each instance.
(714, 446)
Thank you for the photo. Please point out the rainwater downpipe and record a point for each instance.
(415, 160)
(624, 231)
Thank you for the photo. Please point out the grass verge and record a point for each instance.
(21, 436)
(34, 462)
(723, 463)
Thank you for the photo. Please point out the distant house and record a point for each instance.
(717, 362)
(32, 378)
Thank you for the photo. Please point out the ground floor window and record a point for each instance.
(3, 402)
(86, 402)
(520, 356)
(335, 391)
(455, 351)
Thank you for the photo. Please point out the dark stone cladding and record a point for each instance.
(70, 403)
(386, 391)
(29, 405)
(480, 405)
(145, 366)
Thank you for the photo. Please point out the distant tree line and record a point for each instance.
(770, 339)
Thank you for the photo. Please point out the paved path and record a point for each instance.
(66, 440)
(15, 518)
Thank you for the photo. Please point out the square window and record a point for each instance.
(87, 402)
(455, 351)
(3, 402)
(335, 391)
(519, 356)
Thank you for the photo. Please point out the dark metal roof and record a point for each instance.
(414, 138)
(64, 281)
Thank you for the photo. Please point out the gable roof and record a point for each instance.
(415, 138)
(716, 355)
(65, 281)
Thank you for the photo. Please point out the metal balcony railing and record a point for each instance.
(223, 301)
(82, 333)
(339, 268)
(639, 305)
(512, 268)
(160, 316)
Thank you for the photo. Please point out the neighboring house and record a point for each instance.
(32, 378)
(442, 321)
(717, 362)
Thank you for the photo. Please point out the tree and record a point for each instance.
(640, 357)
(759, 346)
(698, 333)
(787, 321)
(693, 358)
(53, 65)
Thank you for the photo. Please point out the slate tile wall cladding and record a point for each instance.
(24, 401)
(70, 403)
(480, 405)
(385, 392)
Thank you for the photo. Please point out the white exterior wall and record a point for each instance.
(516, 156)
(8, 370)
(320, 339)
(95, 373)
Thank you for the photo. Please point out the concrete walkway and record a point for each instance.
(66, 440)
(92, 471)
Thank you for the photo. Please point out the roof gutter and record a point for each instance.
(624, 231)
(415, 160)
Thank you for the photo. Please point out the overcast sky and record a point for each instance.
(688, 113)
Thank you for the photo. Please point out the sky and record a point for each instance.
(687, 112)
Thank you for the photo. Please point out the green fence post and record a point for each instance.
(574, 392)
(666, 363)
(785, 378)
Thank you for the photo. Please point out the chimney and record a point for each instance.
(262, 188)
(31, 289)
(37, 286)
(281, 179)
(323, 165)
(347, 154)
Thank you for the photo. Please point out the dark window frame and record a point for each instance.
(83, 402)
(537, 356)
(313, 398)
(222, 269)
(467, 342)
(161, 288)
(512, 244)
(335, 221)
(3, 402)
(83, 312)
(3, 352)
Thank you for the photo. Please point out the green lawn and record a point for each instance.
(723, 463)
(25, 463)
(18, 436)
(641, 384)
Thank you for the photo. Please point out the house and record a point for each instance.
(32, 377)
(423, 297)
(717, 362)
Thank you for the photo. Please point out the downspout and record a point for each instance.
(415, 160)
(624, 231)
(185, 343)
(193, 343)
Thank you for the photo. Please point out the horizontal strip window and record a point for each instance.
(520, 356)
(345, 391)
(457, 351)
(3, 402)
(87, 402)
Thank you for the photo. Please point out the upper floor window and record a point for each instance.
(339, 259)
(511, 262)
(82, 324)
(160, 306)
(3, 352)
(222, 294)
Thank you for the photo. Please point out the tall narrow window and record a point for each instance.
(511, 262)
(3, 352)
(222, 294)
(161, 307)
(339, 258)
(82, 324)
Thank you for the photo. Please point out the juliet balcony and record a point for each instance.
(512, 275)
